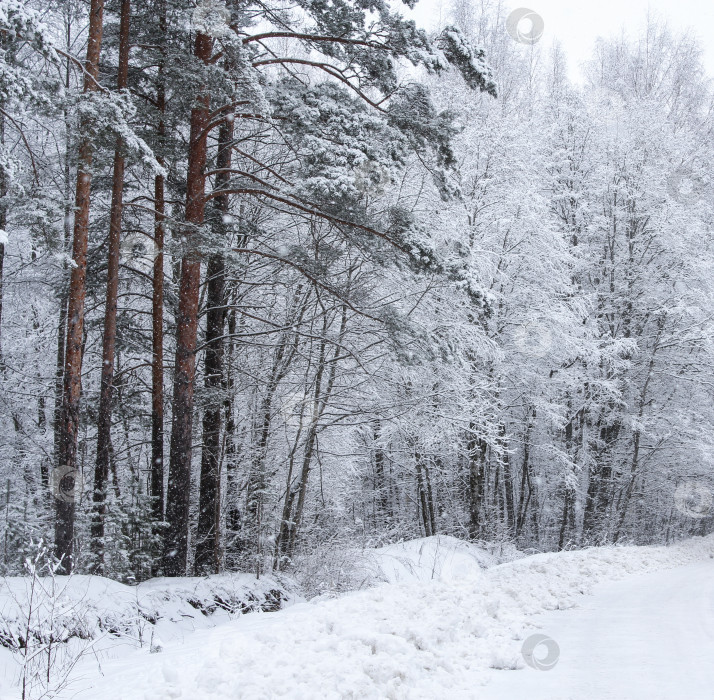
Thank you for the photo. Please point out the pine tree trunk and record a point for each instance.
(4, 189)
(2, 260)
(64, 293)
(179, 486)
(208, 556)
(233, 511)
(72, 385)
(3, 224)
(59, 373)
(157, 315)
(104, 423)
(157, 358)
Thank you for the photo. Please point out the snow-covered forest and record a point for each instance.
(277, 280)
(282, 281)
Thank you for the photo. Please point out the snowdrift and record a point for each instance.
(438, 558)
(422, 639)
(91, 614)
(333, 570)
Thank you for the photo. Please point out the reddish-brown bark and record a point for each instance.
(72, 388)
(208, 555)
(157, 311)
(178, 496)
(104, 423)
(3, 223)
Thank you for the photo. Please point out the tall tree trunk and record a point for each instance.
(283, 355)
(526, 482)
(430, 498)
(425, 505)
(66, 233)
(629, 490)
(292, 522)
(381, 486)
(568, 489)
(599, 487)
(104, 423)
(59, 370)
(565, 517)
(507, 482)
(257, 478)
(72, 385)
(635, 462)
(179, 486)
(208, 555)
(157, 358)
(233, 511)
(290, 525)
(156, 487)
(477, 466)
(3, 225)
(291, 491)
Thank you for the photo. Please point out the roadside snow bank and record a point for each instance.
(92, 606)
(65, 618)
(438, 558)
(333, 570)
(419, 640)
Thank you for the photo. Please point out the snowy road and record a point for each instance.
(649, 636)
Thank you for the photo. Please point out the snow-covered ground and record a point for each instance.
(76, 623)
(650, 637)
(457, 636)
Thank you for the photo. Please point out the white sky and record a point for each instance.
(577, 23)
